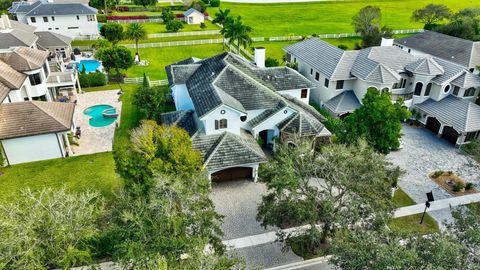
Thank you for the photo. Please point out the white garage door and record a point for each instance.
(32, 148)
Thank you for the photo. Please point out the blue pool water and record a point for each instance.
(96, 113)
(90, 65)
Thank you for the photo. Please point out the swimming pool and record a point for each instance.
(97, 115)
(90, 65)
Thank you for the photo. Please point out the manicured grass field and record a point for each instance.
(411, 224)
(153, 27)
(93, 172)
(161, 57)
(270, 20)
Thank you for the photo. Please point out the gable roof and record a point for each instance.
(50, 39)
(191, 11)
(28, 118)
(457, 50)
(425, 66)
(342, 103)
(59, 9)
(467, 80)
(182, 119)
(228, 150)
(461, 114)
(24, 58)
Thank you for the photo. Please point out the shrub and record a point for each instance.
(437, 174)
(469, 186)
(203, 26)
(92, 79)
(457, 187)
(293, 65)
(271, 62)
(101, 18)
(343, 47)
(174, 26)
(214, 3)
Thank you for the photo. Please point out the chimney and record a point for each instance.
(260, 57)
(386, 42)
(5, 22)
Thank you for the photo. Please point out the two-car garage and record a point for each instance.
(236, 173)
(448, 133)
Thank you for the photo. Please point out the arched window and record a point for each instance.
(469, 92)
(428, 89)
(418, 89)
(446, 89)
(385, 90)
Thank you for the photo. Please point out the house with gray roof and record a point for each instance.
(232, 108)
(75, 20)
(193, 16)
(343, 77)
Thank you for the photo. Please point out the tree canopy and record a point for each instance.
(167, 15)
(463, 24)
(136, 31)
(431, 14)
(367, 23)
(378, 120)
(116, 57)
(112, 31)
(151, 101)
(49, 229)
(338, 186)
(235, 31)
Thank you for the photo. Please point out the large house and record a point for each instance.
(76, 20)
(439, 90)
(32, 125)
(231, 108)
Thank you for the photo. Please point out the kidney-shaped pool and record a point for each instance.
(101, 115)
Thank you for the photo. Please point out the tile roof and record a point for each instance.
(23, 7)
(344, 102)
(451, 71)
(10, 77)
(425, 66)
(257, 120)
(228, 150)
(461, 114)
(181, 119)
(50, 39)
(467, 80)
(460, 51)
(20, 119)
(17, 38)
(182, 76)
(59, 9)
(24, 58)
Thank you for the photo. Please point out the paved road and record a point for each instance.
(423, 153)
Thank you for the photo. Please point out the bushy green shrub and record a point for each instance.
(214, 3)
(174, 26)
(469, 186)
(92, 79)
(271, 62)
(437, 174)
(457, 187)
(101, 18)
(343, 47)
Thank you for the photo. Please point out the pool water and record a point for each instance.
(90, 65)
(97, 119)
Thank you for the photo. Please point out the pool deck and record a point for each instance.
(95, 139)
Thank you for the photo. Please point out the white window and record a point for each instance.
(220, 124)
(91, 18)
(400, 84)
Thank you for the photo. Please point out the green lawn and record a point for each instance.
(161, 57)
(153, 27)
(270, 20)
(411, 224)
(93, 172)
(150, 40)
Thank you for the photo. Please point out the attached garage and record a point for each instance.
(433, 124)
(450, 134)
(230, 174)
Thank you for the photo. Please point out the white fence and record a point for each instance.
(136, 20)
(175, 43)
(182, 34)
(139, 80)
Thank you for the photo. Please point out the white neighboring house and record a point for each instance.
(193, 16)
(32, 125)
(228, 105)
(449, 89)
(75, 20)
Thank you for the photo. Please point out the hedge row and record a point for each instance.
(152, 9)
(92, 79)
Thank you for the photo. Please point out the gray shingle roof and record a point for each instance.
(344, 102)
(425, 66)
(23, 7)
(17, 38)
(20, 119)
(467, 80)
(60, 9)
(181, 119)
(190, 11)
(461, 114)
(257, 120)
(228, 150)
(460, 51)
(182, 76)
(50, 39)
(451, 70)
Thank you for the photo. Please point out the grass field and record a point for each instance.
(153, 27)
(270, 20)
(411, 224)
(93, 172)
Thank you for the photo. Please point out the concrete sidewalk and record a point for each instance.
(316, 263)
(437, 205)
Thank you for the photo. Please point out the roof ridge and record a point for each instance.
(290, 121)
(218, 142)
(340, 101)
(239, 139)
(54, 117)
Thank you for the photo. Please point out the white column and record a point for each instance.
(440, 130)
(255, 173)
(67, 142)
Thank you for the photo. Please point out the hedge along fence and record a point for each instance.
(181, 34)
(151, 9)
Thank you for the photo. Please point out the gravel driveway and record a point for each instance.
(238, 201)
(423, 153)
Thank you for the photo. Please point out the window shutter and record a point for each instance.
(216, 124)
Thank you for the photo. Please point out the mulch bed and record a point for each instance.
(447, 179)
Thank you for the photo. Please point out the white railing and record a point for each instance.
(139, 80)
(158, 82)
(182, 34)
(285, 38)
(175, 43)
(61, 78)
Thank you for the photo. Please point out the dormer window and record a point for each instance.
(456, 89)
(221, 124)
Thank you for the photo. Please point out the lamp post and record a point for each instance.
(427, 204)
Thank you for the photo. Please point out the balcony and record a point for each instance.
(61, 79)
(405, 97)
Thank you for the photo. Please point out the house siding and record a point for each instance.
(33, 148)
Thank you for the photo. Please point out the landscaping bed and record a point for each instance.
(452, 183)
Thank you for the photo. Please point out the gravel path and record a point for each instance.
(423, 153)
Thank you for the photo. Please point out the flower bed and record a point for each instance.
(120, 18)
(452, 183)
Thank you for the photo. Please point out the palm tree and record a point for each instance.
(235, 30)
(221, 17)
(136, 31)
